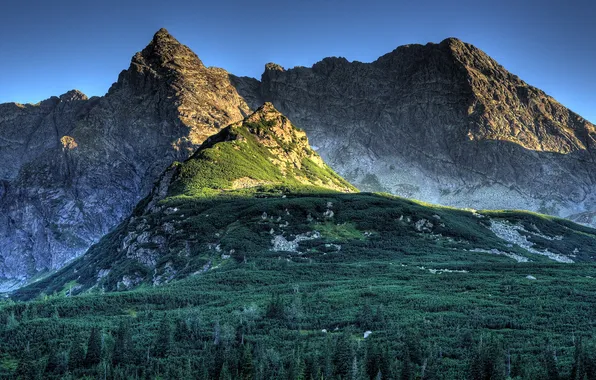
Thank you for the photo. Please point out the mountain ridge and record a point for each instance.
(443, 123)
(395, 125)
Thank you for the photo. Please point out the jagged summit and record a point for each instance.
(165, 50)
(73, 95)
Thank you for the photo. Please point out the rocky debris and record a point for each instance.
(423, 225)
(103, 273)
(335, 247)
(511, 233)
(167, 274)
(443, 123)
(494, 251)
(129, 282)
(439, 271)
(280, 243)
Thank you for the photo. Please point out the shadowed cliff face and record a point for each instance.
(443, 123)
(76, 166)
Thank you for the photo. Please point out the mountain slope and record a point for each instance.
(443, 123)
(257, 191)
(75, 167)
(254, 257)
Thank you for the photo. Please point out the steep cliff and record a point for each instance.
(74, 167)
(443, 123)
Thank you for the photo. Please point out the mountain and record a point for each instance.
(256, 190)
(253, 259)
(443, 123)
(74, 167)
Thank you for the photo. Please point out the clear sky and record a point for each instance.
(48, 47)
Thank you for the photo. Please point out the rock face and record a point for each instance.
(177, 230)
(73, 167)
(443, 123)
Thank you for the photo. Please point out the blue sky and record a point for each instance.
(49, 47)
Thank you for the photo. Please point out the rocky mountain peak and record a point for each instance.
(274, 67)
(73, 95)
(263, 150)
(166, 51)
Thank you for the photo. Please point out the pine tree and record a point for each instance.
(76, 355)
(551, 365)
(93, 356)
(342, 357)
(27, 367)
(365, 316)
(225, 374)
(57, 362)
(246, 363)
(577, 368)
(123, 344)
(163, 341)
(406, 368)
(372, 359)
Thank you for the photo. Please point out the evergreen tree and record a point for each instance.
(373, 359)
(297, 366)
(551, 365)
(163, 341)
(225, 374)
(406, 368)
(365, 316)
(577, 368)
(57, 362)
(247, 369)
(27, 367)
(123, 344)
(93, 356)
(275, 308)
(76, 355)
(342, 357)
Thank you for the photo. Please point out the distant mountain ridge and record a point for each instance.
(442, 122)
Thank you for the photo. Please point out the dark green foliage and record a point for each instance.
(487, 360)
(123, 346)
(163, 341)
(261, 314)
(76, 354)
(93, 356)
(342, 357)
(247, 370)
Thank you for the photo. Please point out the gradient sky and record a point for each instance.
(49, 47)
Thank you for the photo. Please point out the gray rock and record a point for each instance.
(72, 167)
(443, 123)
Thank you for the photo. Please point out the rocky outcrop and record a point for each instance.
(443, 123)
(73, 167)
